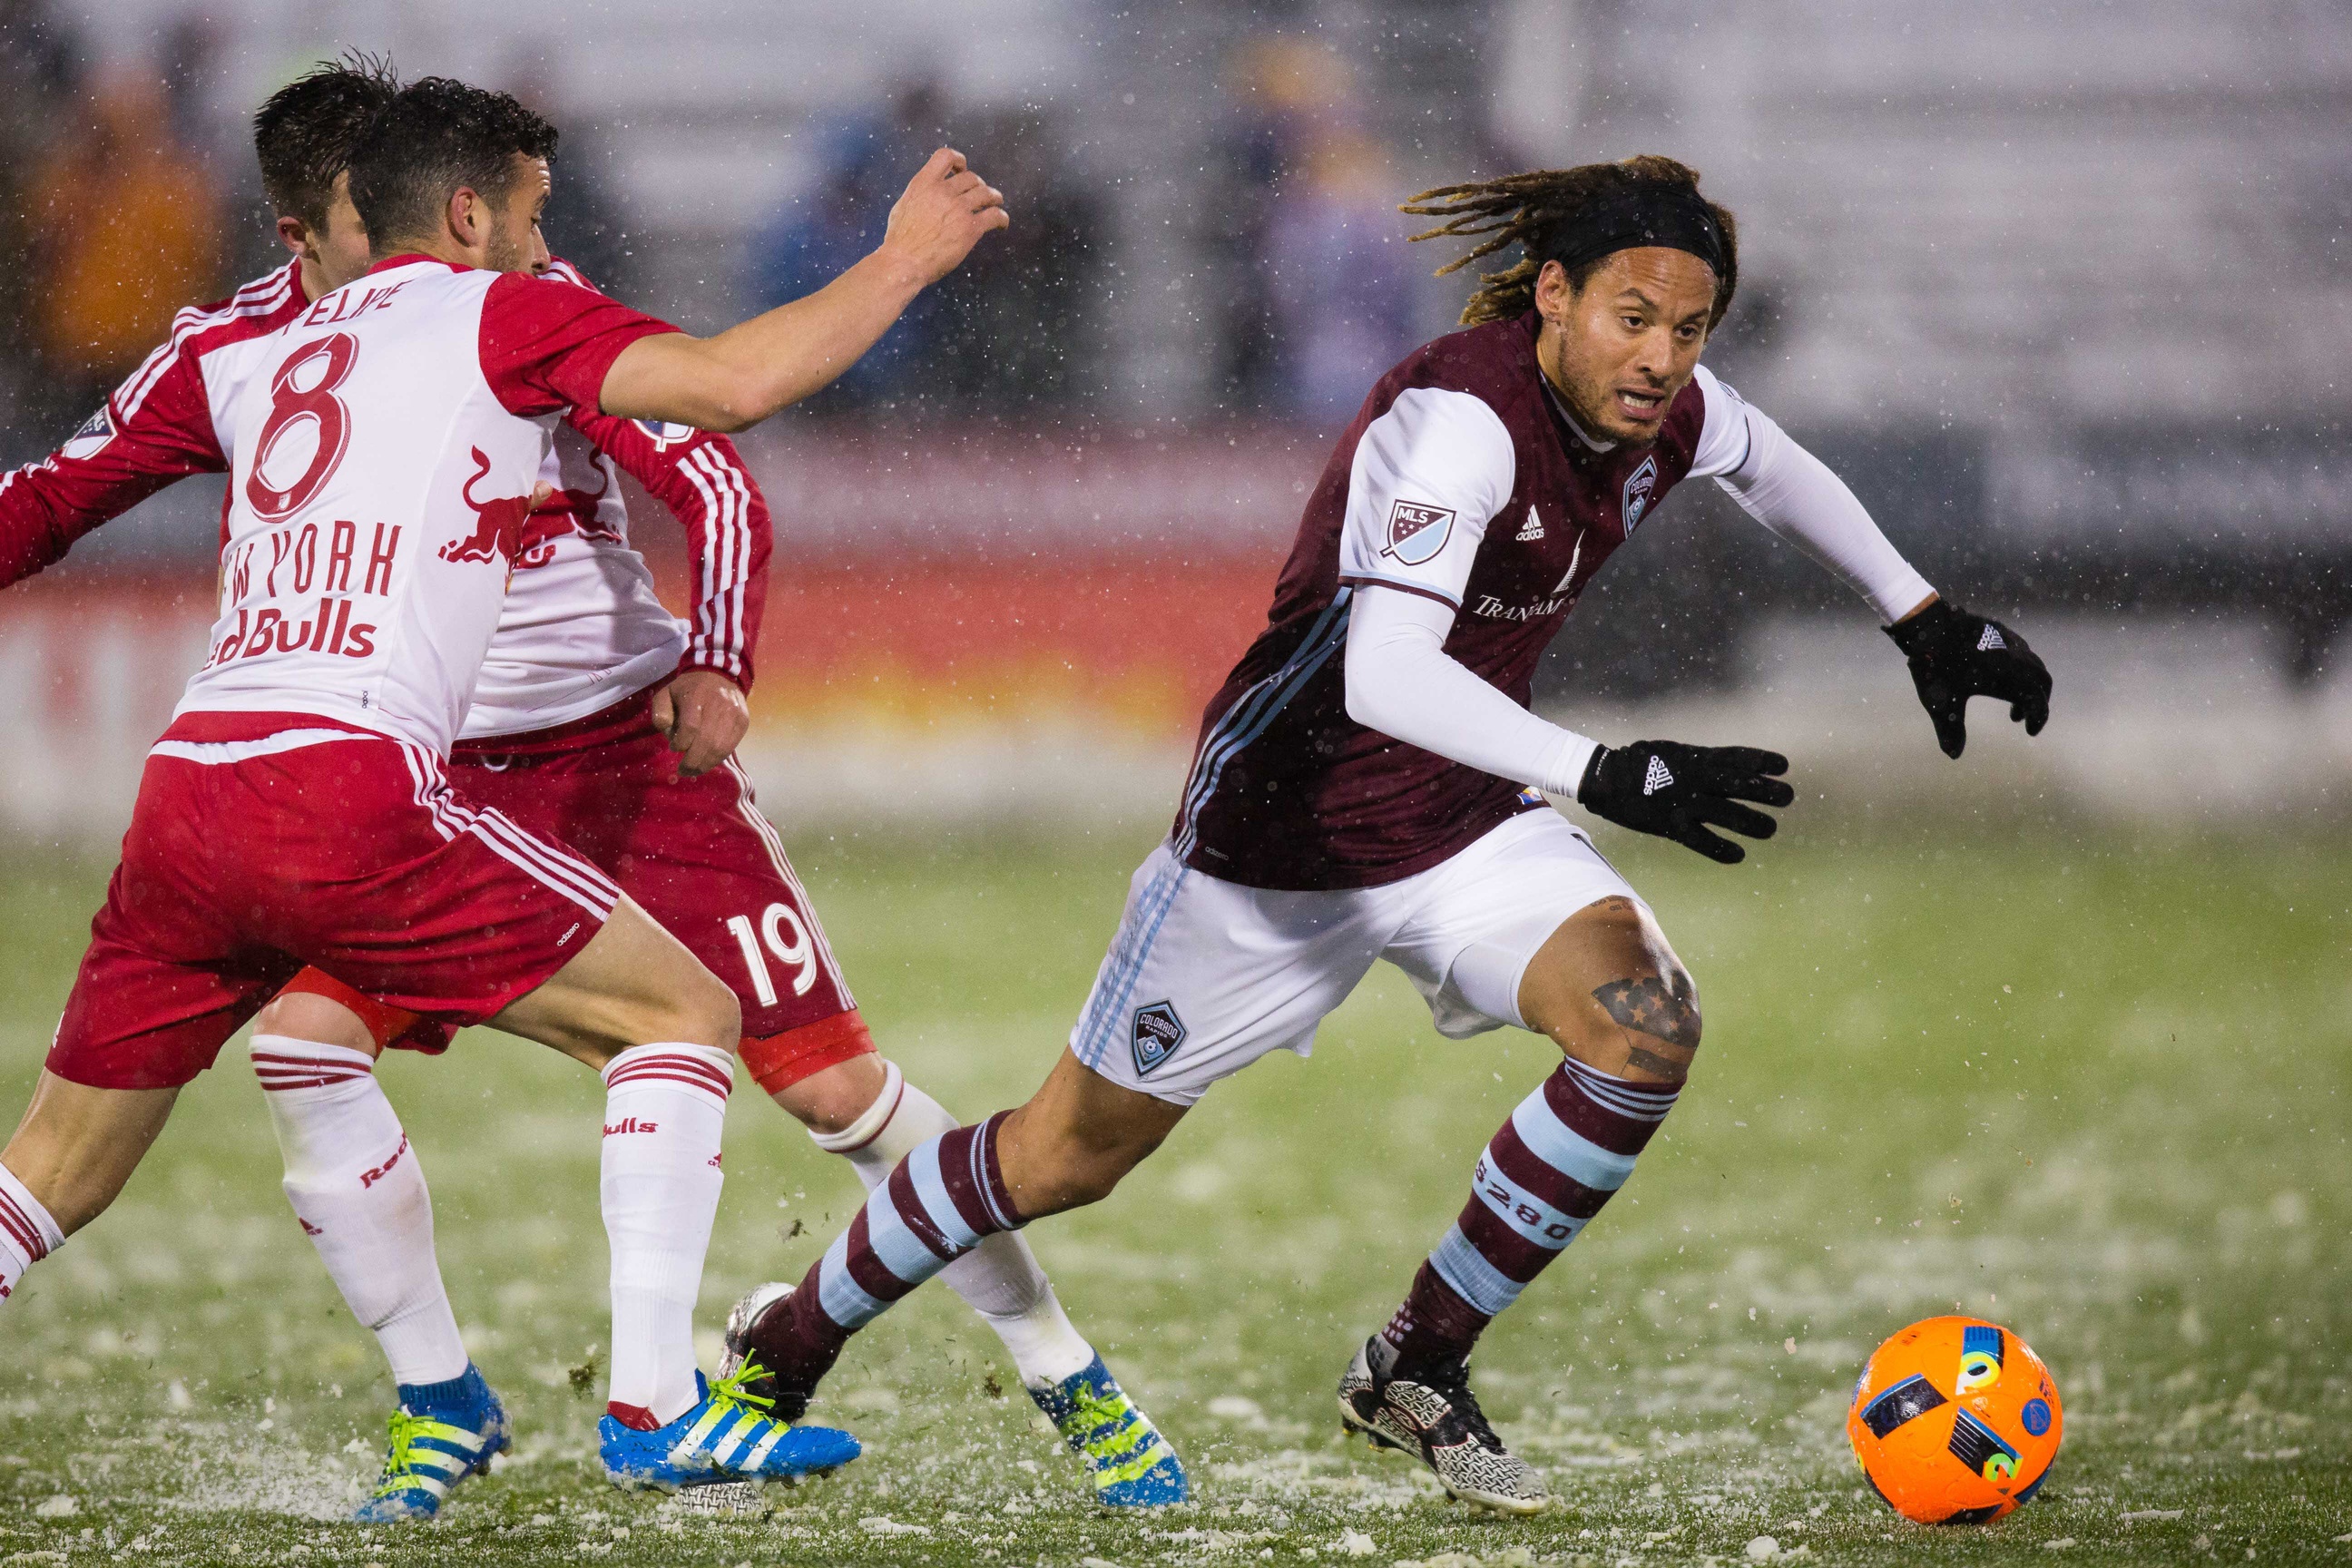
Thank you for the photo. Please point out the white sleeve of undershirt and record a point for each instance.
(1402, 682)
(1794, 494)
(1427, 476)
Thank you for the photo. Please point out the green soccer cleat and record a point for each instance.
(1133, 1465)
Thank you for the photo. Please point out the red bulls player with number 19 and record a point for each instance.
(1369, 784)
(571, 731)
(383, 450)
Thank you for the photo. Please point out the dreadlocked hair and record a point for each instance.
(1533, 210)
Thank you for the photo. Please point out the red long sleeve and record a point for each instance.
(700, 476)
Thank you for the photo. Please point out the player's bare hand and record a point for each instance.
(945, 211)
(705, 718)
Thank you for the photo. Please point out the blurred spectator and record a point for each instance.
(36, 78)
(1012, 331)
(1341, 287)
(862, 164)
(1321, 289)
(125, 231)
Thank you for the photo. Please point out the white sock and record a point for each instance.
(999, 1279)
(27, 1234)
(359, 1190)
(664, 1107)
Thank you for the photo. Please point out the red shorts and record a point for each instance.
(695, 853)
(250, 857)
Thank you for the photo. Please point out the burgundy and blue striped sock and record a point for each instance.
(942, 1201)
(1564, 1151)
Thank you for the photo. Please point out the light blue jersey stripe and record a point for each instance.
(1248, 719)
(1474, 1278)
(1562, 1148)
(844, 1300)
(923, 1168)
(1550, 1227)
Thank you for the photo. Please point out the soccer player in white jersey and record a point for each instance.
(574, 722)
(1371, 784)
(384, 451)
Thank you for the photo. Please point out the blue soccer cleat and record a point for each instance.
(1132, 1464)
(442, 1433)
(725, 1437)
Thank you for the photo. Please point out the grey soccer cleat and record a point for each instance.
(748, 1317)
(1436, 1419)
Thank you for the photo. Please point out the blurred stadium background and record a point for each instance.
(2064, 292)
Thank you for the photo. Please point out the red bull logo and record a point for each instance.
(569, 510)
(502, 525)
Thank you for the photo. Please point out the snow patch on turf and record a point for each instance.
(279, 1477)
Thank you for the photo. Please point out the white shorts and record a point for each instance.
(1205, 976)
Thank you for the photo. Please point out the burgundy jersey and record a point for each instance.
(1461, 478)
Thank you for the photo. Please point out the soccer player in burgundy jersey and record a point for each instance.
(1370, 783)
(573, 731)
(386, 451)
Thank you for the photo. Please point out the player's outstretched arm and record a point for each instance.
(747, 372)
(1956, 653)
(1402, 682)
(114, 462)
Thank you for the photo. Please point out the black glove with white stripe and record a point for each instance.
(1676, 792)
(1955, 655)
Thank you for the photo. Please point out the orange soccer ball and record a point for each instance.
(1955, 1421)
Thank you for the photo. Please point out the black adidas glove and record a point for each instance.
(1956, 655)
(1674, 791)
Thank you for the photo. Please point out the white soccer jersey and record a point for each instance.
(384, 447)
(582, 627)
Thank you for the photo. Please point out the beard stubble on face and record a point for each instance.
(1586, 364)
(506, 253)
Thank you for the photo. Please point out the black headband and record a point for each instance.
(1674, 217)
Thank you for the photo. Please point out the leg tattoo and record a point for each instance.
(1665, 1008)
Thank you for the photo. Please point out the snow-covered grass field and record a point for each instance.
(2097, 1089)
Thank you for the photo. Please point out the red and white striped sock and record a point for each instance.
(664, 1107)
(27, 1234)
(359, 1191)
